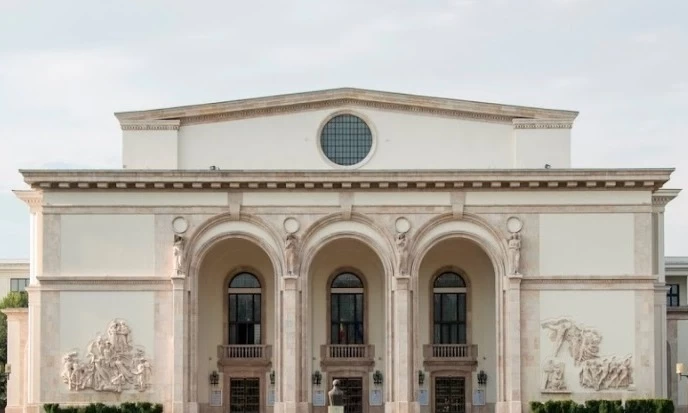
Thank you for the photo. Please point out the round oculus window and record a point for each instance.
(346, 140)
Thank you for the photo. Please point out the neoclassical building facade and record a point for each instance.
(434, 255)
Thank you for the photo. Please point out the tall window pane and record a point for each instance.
(346, 310)
(244, 307)
(449, 309)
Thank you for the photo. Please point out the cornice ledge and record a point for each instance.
(662, 197)
(542, 124)
(32, 198)
(70, 280)
(147, 125)
(589, 279)
(259, 106)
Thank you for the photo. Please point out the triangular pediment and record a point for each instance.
(332, 98)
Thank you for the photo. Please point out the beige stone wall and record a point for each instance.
(123, 242)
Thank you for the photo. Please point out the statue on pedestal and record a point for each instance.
(336, 395)
(514, 253)
(178, 249)
(402, 250)
(290, 253)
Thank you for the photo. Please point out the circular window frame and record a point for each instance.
(368, 123)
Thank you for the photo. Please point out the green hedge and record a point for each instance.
(604, 406)
(102, 408)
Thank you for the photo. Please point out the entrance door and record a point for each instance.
(450, 395)
(353, 393)
(244, 395)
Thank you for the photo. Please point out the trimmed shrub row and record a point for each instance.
(143, 407)
(604, 406)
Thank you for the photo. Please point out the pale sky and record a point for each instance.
(66, 67)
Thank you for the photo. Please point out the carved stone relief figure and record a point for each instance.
(583, 342)
(290, 253)
(514, 253)
(402, 252)
(178, 249)
(555, 379)
(112, 363)
(597, 372)
(607, 373)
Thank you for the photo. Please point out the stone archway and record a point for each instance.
(475, 231)
(362, 234)
(247, 231)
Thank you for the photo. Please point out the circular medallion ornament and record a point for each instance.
(180, 225)
(402, 225)
(514, 225)
(291, 225)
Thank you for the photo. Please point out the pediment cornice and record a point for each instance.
(350, 97)
(506, 179)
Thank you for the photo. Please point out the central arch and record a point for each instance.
(353, 257)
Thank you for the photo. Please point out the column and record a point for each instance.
(402, 347)
(17, 337)
(289, 358)
(179, 367)
(512, 339)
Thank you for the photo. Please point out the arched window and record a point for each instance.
(244, 309)
(449, 309)
(346, 309)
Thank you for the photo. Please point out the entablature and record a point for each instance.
(522, 179)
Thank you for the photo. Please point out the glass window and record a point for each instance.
(449, 309)
(673, 295)
(346, 310)
(18, 284)
(346, 140)
(244, 298)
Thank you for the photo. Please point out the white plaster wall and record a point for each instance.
(84, 314)
(98, 245)
(348, 254)
(149, 149)
(225, 259)
(293, 142)
(587, 244)
(682, 357)
(611, 313)
(534, 148)
(469, 257)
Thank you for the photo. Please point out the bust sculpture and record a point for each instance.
(336, 395)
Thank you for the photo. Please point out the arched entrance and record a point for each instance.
(347, 265)
(232, 282)
(457, 324)
(458, 270)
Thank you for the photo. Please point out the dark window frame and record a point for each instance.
(19, 284)
(347, 289)
(673, 295)
(449, 288)
(244, 325)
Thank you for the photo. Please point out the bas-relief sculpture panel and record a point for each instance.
(112, 363)
(591, 350)
(107, 339)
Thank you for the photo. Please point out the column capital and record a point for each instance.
(401, 282)
(178, 282)
(513, 281)
(290, 282)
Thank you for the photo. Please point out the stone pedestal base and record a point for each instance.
(291, 407)
(335, 409)
(402, 407)
(508, 407)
